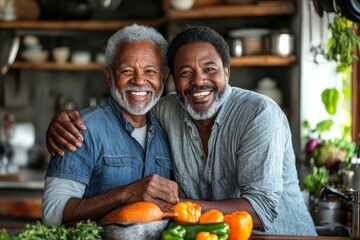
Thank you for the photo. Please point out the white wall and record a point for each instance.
(315, 77)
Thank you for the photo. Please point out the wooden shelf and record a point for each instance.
(57, 66)
(262, 8)
(265, 8)
(80, 25)
(262, 60)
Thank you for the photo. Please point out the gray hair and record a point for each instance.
(135, 33)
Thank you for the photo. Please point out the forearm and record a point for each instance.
(229, 206)
(77, 209)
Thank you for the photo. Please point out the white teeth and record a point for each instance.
(138, 93)
(201, 94)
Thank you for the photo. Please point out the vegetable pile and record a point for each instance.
(190, 224)
(84, 230)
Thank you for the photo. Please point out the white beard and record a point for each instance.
(214, 108)
(136, 108)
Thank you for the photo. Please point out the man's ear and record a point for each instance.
(227, 71)
(108, 76)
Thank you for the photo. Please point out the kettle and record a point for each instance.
(352, 196)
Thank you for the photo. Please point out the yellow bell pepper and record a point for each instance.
(187, 212)
(206, 236)
(241, 225)
(211, 216)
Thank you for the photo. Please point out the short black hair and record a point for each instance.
(198, 34)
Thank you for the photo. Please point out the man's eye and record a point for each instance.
(127, 72)
(209, 70)
(185, 74)
(151, 72)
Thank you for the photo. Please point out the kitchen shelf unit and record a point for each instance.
(262, 8)
(265, 9)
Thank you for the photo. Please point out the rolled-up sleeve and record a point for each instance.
(57, 192)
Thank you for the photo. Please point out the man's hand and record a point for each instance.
(62, 131)
(153, 188)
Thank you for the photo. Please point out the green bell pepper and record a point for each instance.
(176, 232)
(221, 229)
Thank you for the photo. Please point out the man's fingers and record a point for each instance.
(63, 136)
(54, 149)
(63, 122)
(164, 189)
(75, 117)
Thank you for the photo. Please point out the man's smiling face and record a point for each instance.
(200, 79)
(137, 79)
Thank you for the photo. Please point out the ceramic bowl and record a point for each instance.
(60, 54)
(181, 4)
(36, 56)
(81, 57)
(131, 231)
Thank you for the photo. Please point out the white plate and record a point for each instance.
(249, 33)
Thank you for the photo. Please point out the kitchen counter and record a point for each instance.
(21, 198)
(13, 232)
(282, 237)
(25, 179)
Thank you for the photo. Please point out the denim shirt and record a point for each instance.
(110, 156)
(250, 156)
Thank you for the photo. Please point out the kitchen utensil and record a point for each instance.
(36, 56)
(138, 231)
(352, 197)
(236, 47)
(12, 55)
(267, 87)
(181, 4)
(81, 57)
(61, 54)
(110, 5)
(282, 44)
(253, 41)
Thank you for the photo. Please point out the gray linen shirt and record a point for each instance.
(250, 156)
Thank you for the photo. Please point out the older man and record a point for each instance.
(231, 148)
(125, 157)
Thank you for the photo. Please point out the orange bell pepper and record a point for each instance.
(187, 212)
(211, 216)
(241, 225)
(206, 236)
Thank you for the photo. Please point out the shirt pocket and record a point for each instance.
(225, 188)
(118, 171)
(164, 167)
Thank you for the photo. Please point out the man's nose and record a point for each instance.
(198, 79)
(139, 78)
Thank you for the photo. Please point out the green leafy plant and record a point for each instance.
(341, 46)
(328, 152)
(85, 230)
(313, 182)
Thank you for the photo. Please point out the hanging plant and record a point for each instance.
(341, 46)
